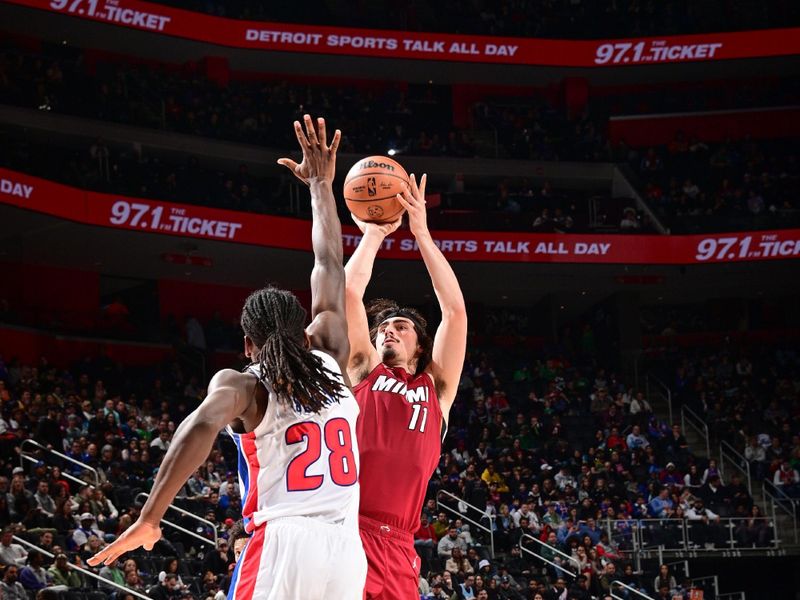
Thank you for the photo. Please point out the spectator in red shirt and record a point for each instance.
(616, 441)
(425, 539)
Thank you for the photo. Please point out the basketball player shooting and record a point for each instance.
(405, 384)
(293, 421)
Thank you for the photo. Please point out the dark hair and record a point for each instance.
(168, 561)
(47, 594)
(274, 321)
(381, 309)
(237, 532)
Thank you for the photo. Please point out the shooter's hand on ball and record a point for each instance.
(319, 159)
(379, 229)
(413, 200)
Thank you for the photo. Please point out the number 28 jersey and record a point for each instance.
(296, 464)
(399, 441)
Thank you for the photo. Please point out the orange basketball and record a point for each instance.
(371, 188)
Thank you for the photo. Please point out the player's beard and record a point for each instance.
(389, 355)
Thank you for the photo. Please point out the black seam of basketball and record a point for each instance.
(391, 217)
(346, 181)
(371, 199)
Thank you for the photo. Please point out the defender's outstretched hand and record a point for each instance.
(319, 158)
(413, 200)
(139, 534)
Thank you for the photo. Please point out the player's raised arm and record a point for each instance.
(358, 271)
(450, 343)
(328, 328)
(227, 399)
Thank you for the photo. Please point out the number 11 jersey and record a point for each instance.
(398, 433)
(298, 464)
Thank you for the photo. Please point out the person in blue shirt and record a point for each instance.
(661, 506)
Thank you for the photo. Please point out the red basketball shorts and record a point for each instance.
(392, 562)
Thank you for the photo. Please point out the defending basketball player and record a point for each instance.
(405, 384)
(293, 421)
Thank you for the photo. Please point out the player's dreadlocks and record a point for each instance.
(380, 309)
(274, 320)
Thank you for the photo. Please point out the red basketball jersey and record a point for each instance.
(399, 441)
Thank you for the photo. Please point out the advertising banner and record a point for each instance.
(288, 37)
(185, 220)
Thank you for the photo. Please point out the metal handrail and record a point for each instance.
(667, 396)
(776, 501)
(550, 548)
(685, 525)
(684, 563)
(714, 581)
(629, 588)
(732, 596)
(726, 449)
(86, 572)
(183, 529)
(61, 456)
(460, 515)
(64, 474)
(701, 429)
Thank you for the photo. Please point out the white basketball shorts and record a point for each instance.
(300, 558)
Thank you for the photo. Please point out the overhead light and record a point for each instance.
(391, 152)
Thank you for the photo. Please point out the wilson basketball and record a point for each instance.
(371, 188)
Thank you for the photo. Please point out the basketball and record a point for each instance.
(371, 188)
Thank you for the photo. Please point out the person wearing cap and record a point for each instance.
(61, 574)
(217, 561)
(506, 591)
(670, 476)
(87, 529)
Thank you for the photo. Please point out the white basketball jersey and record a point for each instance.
(297, 464)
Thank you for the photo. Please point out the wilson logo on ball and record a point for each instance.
(371, 191)
(371, 164)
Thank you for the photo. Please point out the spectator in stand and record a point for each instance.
(34, 577)
(457, 563)
(447, 543)
(636, 440)
(754, 530)
(217, 561)
(711, 472)
(86, 530)
(787, 479)
(704, 525)
(664, 579)
(661, 506)
(425, 539)
(11, 588)
(61, 574)
(44, 501)
(11, 553)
